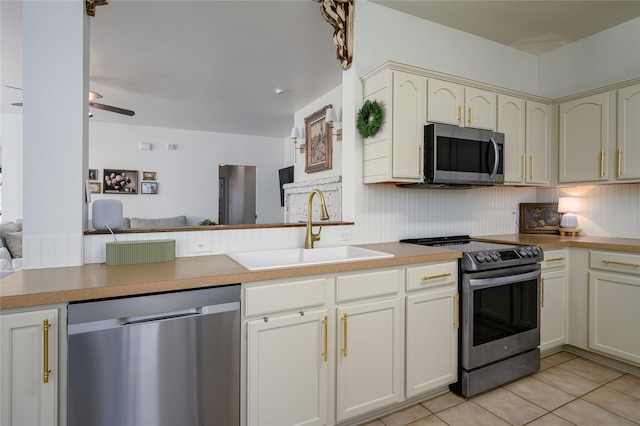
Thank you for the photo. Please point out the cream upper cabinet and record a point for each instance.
(394, 153)
(628, 147)
(452, 103)
(538, 143)
(511, 122)
(527, 129)
(29, 368)
(553, 300)
(584, 139)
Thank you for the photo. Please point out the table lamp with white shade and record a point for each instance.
(567, 206)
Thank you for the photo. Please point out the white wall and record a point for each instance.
(605, 58)
(187, 176)
(11, 134)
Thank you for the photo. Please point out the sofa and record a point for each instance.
(164, 222)
(10, 247)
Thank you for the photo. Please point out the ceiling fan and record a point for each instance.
(92, 97)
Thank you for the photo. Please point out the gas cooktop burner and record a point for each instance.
(479, 255)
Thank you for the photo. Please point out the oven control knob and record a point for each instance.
(480, 257)
(522, 252)
(535, 250)
(494, 255)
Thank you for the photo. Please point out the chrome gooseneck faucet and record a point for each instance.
(311, 237)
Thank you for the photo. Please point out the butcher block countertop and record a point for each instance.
(33, 287)
(550, 241)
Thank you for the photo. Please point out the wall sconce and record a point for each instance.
(295, 135)
(568, 206)
(330, 118)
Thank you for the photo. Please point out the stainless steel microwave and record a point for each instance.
(462, 157)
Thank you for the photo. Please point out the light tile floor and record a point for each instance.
(568, 390)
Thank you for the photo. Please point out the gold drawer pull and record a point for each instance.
(344, 334)
(619, 162)
(531, 170)
(613, 262)
(324, 325)
(459, 113)
(46, 370)
(524, 167)
(555, 259)
(602, 154)
(433, 277)
(470, 114)
(456, 319)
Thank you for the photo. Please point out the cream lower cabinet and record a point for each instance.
(553, 300)
(614, 301)
(369, 342)
(431, 327)
(29, 372)
(288, 380)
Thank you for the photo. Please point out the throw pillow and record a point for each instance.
(5, 228)
(14, 243)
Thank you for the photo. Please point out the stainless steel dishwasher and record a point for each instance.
(163, 359)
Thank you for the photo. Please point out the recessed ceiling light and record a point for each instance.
(279, 90)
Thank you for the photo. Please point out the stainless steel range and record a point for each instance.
(499, 289)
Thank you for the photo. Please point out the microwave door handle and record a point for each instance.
(495, 161)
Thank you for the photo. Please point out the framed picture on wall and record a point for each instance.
(94, 187)
(318, 139)
(93, 174)
(149, 188)
(148, 175)
(118, 181)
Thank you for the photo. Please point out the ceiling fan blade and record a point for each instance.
(111, 108)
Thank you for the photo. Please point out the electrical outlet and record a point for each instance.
(345, 235)
(199, 245)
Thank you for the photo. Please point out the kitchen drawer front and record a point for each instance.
(554, 259)
(615, 262)
(369, 284)
(432, 275)
(284, 296)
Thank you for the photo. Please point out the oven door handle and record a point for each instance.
(504, 279)
(496, 158)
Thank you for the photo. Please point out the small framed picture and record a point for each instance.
(120, 181)
(94, 187)
(539, 218)
(149, 188)
(148, 175)
(93, 174)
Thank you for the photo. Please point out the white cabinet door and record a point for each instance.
(368, 354)
(511, 122)
(287, 370)
(29, 349)
(480, 109)
(584, 139)
(408, 125)
(628, 149)
(614, 317)
(432, 340)
(445, 102)
(538, 142)
(553, 311)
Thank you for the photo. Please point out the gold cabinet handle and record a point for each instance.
(459, 113)
(523, 173)
(554, 259)
(420, 160)
(619, 162)
(433, 277)
(46, 370)
(613, 262)
(456, 317)
(602, 154)
(542, 294)
(344, 334)
(470, 114)
(325, 353)
(531, 170)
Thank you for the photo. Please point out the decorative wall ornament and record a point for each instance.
(339, 13)
(369, 119)
(90, 5)
(318, 139)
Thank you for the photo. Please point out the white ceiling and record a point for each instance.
(212, 65)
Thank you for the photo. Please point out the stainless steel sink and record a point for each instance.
(287, 258)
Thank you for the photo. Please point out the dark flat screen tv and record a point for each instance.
(286, 176)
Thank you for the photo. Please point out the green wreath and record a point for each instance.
(369, 119)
